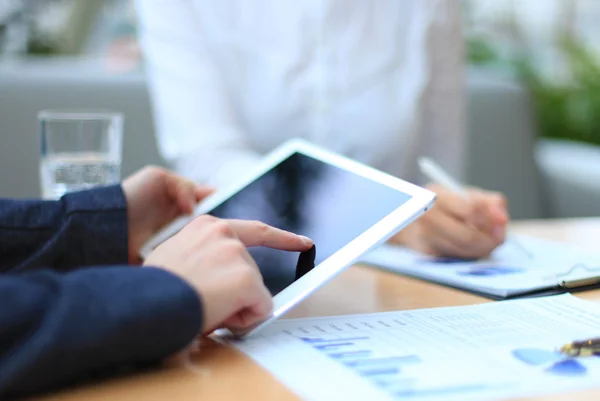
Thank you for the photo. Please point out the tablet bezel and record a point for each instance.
(420, 200)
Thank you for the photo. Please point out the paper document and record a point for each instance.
(509, 272)
(488, 351)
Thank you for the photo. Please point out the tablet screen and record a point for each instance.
(306, 196)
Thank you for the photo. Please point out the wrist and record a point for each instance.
(97, 220)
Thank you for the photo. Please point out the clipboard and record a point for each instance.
(539, 276)
(563, 281)
(562, 286)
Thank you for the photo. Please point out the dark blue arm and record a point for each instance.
(57, 328)
(82, 229)
(60, 325)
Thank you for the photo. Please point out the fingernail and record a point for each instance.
(306, 240)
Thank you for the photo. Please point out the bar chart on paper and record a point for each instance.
(360, 354)
(477, 352)
(395, 373)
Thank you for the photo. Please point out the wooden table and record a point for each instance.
(221, 373)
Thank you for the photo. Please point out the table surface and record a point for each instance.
(220, 373)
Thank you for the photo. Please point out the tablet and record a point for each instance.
(345, 207)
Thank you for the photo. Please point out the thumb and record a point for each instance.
(246, 318)
(203, 191)
(188, 194)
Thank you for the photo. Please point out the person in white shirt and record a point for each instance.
(380, 81)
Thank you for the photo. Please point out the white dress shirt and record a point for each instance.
(378, 80)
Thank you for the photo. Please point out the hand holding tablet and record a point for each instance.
(345, 207)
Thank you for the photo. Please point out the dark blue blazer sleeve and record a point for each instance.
(57, 329)
(70, 321)
(81, 229)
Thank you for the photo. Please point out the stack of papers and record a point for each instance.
(488, 351)
(531, 266)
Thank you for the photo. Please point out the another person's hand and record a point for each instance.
(457, 227)
(155, 197)
(211, 255)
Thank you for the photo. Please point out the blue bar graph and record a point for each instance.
(395, 383)
(413, 392)
(326, 347)
(329, 340)
(402, 360)
(379, 359)
(379, 372)
(360, 353)
(354, 354)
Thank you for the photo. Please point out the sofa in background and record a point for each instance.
(570, 177)
(500, 129)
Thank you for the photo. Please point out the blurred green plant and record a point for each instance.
(480, 51)
(41, 45)
(65, 38)
(568, 108)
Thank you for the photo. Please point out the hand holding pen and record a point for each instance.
(489, 210)
(464, 223)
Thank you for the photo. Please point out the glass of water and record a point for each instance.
(79, 150)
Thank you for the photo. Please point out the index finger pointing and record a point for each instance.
(256, 233)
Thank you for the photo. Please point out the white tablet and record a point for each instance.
(346, 208)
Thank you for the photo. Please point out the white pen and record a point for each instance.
(436, 174)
